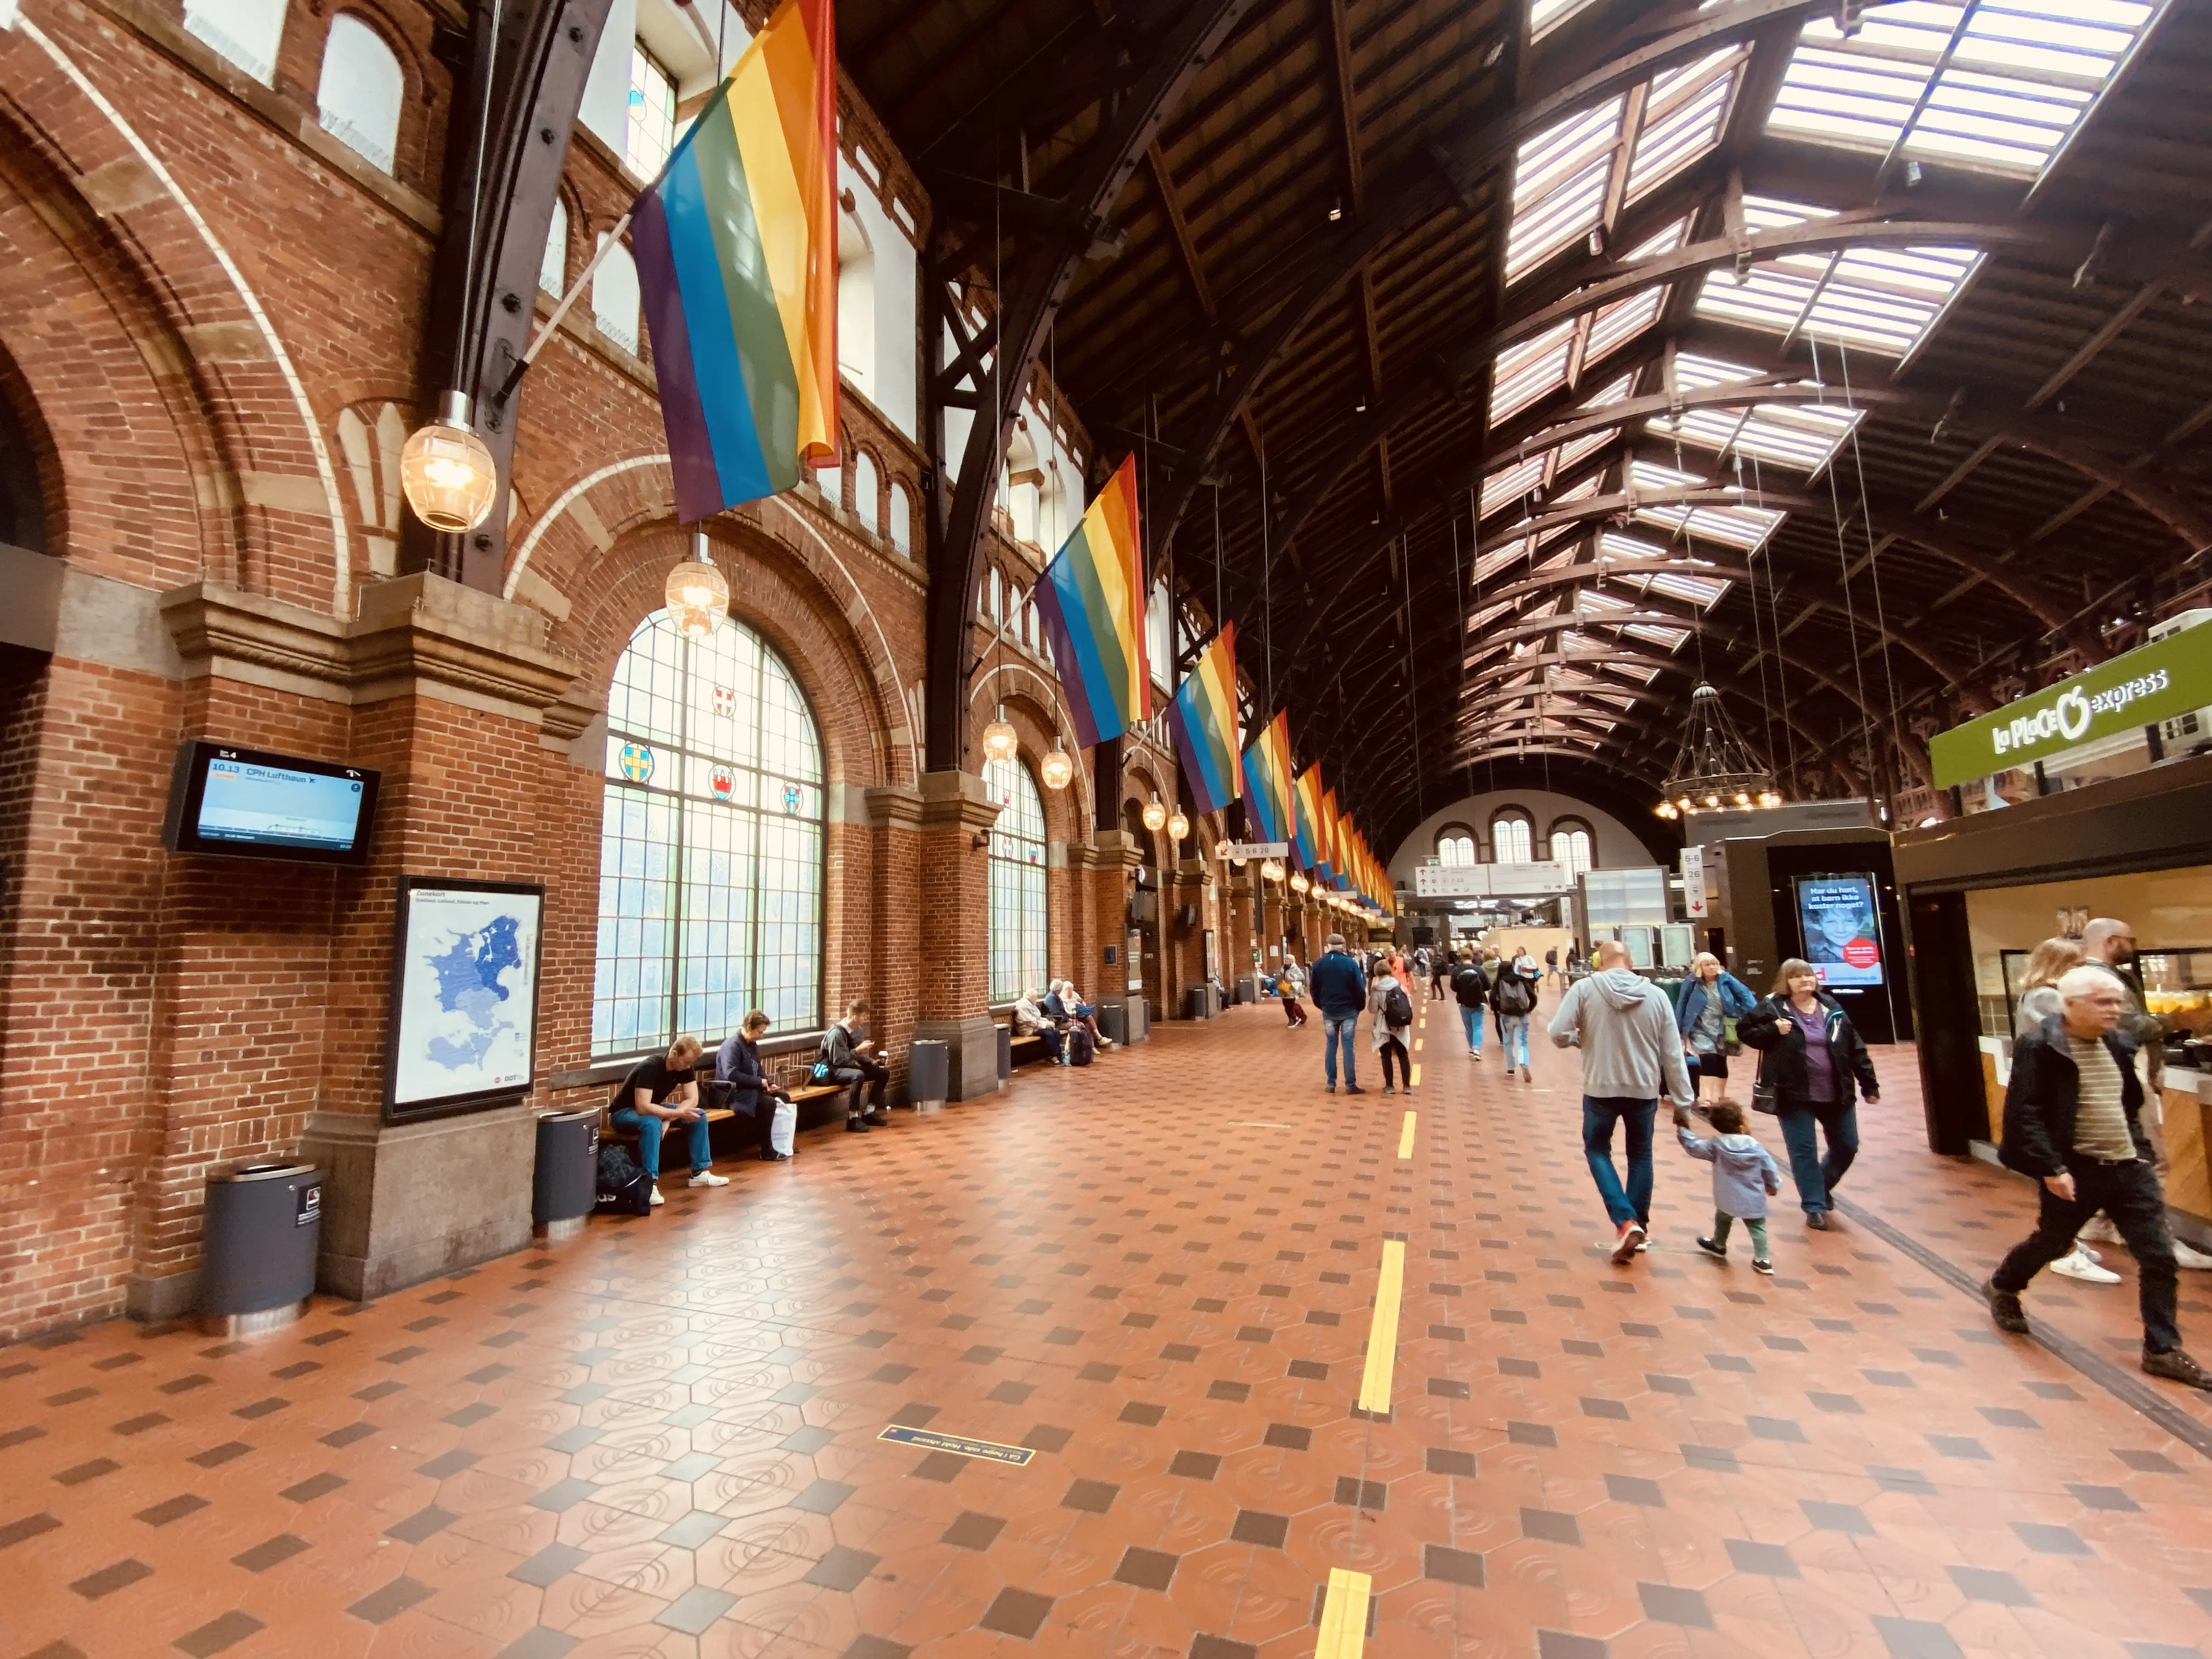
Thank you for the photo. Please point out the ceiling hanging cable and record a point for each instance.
(1874, 558)
(1851, 607)
(1774, 628)
(1757, 628)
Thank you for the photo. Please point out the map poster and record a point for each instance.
(1842, 929)
(463, 1027)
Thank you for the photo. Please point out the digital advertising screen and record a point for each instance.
(246, 803)
(1841, 923)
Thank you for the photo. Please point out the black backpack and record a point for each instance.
(1469, 986)
(1397, 1006)
(1513, 994)
(624, 1188)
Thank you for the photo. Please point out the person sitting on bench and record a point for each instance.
(738, 1066)
(659, 1092)
(849, 1059)
(1031, 1020)
(1067, 1003)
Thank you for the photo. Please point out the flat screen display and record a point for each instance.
(246, 803)
(1842, 929)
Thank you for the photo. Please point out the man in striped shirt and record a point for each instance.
(2071, 1120)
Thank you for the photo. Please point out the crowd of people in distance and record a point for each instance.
(1058, 1016)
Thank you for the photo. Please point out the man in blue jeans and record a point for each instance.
(1624, 1027)
(1339, 989)
(662, 1093)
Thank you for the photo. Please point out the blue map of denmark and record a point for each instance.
(469, 984)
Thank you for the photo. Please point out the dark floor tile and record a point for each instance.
(696, 1609)
(1450, 1567)
(1988, 1585)
(1551, 1526)
(1258, 1527)
(1091, 1496)
(1669, 1605)
(1915, 1639)
(1635, 1489)
(1017, 1612)
(1152, 1570)
(1767, 1560)
(119, 1575)
(973, 1531)
(843, 1568)
(269, 1553)
(380, 1605)
(217, 1634)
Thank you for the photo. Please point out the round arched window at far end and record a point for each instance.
(1020, 915)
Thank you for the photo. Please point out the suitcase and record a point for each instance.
(624, 1188)
(1081, 1050)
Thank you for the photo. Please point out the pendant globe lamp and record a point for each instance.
(1057, 769)
(1155, 814)
(698, 593)
(446, 472)
(1178, 826)
(1001, 742)
(1714, 765)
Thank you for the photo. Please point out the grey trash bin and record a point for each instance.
(565, 1184)
(1113, 1023)
(1248, 988)
(1005, 1052)
(264, 1227)
(1198, 1002)
(928, 1074)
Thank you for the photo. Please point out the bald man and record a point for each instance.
(1624, 1027)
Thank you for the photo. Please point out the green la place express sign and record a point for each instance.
(2152, 682)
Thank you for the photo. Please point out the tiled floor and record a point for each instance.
(662, 1438)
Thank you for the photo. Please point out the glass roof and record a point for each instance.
(1994, 85)
(1563, 177)
(1877, 298)
(1800, 436)
(1745, 527)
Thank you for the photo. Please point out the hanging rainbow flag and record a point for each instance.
(1267, 778)
(735, 244)
(1092, 598)
(1306, 799)
(1332, 837)
(1204, 716)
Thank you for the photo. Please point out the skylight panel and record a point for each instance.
(1581, 449)
(1511, 483)
(1700, 590)
(1559, 179)
(1667, 639)
(1802, 436)
(1876, 298)
(1745, 527)
(1531, 368)
(1547, 14)
(1683, 113)
(1994, 85)
(1589, 602)
(1622, 321)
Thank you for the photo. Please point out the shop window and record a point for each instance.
(359, 96)
(553, 268)
(615, 298)
(652, 130)
(1512, 839)
(246, 31)
(1017, 873)
(1571, 846)
(863, 493)
(711, 846)
(1455, 846)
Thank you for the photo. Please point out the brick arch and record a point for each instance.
(574, 553)
(139, 306)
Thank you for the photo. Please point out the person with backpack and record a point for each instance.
(1513, 999)
(1339, 991)
(847, 1057)
(1392, 1009)
(1472, 992)
(1290, 986)
(1552, 966)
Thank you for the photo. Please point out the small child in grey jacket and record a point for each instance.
(1744, 1176)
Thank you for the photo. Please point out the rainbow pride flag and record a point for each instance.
(1267, 780)
(1204, 716)
(735, 244)
(1306, 801)
(1331, 838)
(1092, 598)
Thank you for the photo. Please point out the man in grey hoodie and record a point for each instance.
(1624, 1027)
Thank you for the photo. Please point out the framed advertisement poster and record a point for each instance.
(463, 1032)
(1841, 924)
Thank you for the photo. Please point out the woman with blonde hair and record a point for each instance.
(2038, 1002)
(1711, 997)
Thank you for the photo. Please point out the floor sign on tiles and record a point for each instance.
(1165, 1278)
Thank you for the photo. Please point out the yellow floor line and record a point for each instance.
(1406, 1136)
(1416, 1073)
(1344, 1615)
(1417, 1041)
(1382, 1335)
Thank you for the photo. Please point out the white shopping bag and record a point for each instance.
(783, 1127)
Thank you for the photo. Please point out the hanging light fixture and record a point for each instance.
(1271, 871)
(1155, 814)
(1715, 763)
(698, 594)
(1001, 742)
(449, 476)
(1178, 825)
(1299, 883)
(1057, 769)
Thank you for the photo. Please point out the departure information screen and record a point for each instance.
(276, 806)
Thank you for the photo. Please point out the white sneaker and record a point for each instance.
(2187, 1256)
(1474, 1053)
(2078, 1266)
(2097, 1256)
(1526, 1076)
(708, 1178)
(2099, 1231)
(657, 1198)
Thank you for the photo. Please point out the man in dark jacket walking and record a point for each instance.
(1339, 989)
(2071, 1120)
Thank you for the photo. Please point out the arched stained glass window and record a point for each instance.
(1571, 846)
(1018, 868)
(710, 854)
(1512, 839)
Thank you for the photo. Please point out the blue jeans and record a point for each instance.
(649, 1130)
(1513, 1038)
(1343, 1027)
(1472, 1019)
(1814, 1174)
(1600, 1114)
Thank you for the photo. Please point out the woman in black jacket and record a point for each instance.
(1813, 1058)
